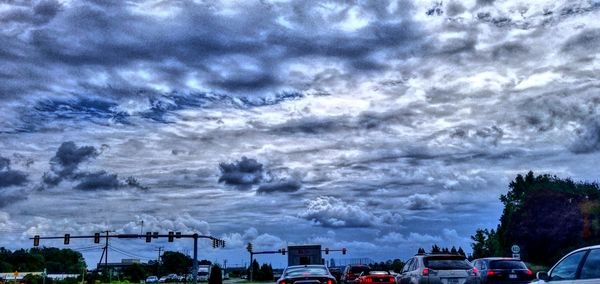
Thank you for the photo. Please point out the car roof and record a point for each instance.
(498, 258)
(308, 265)
(586, 248)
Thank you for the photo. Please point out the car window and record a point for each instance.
(360, 269)
(407, 266)
(446, 263)
(507, 264)
(303, 271)
(415, 264)
(567, 268)
(591, 267)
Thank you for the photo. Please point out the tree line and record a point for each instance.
(544, 215)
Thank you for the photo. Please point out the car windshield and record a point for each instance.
(507, 264)
(202, 273)
(305, 271)
(446, 263)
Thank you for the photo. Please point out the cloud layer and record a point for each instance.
(356, 124)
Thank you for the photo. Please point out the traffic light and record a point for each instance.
(249, 247)
(326, 250)
(155, 235)
(344, 251)
(223, 243)
(283, 251)
(214, 243)
(97, 238)
(148, 237)
(178, 235)
(67, 238)
(36, 240)
(171, 237)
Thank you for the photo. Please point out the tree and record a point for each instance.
(266, 272)
(435, 249)
(546, 216)
(176, 262)
(421, 251)
(215, 275)
(134, 273)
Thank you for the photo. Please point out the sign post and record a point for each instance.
(516, 250)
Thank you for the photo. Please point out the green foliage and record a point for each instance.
(546, 216)
(36, 259)
(215, 275)
(134, 273)
(175, 262)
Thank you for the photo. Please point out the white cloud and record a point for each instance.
(333, 212)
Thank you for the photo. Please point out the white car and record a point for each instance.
(581, 266)
(438, 269)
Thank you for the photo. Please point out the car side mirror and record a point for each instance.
(543, 275)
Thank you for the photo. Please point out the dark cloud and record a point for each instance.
(9, 177)
(586, 43)
(589, 139)
(242, 174)
(288, 185)
(65, 162)
(12, 178)
(65, 166)
(97, 180)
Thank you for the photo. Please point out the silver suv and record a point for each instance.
(438, 269)
(581, 266)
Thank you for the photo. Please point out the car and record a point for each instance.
(438, 269)
(351, 272)
(163, 279)
(336, 272)
(581, 266)
(372, 276)
(152, 279)
(503, 270)
(306, 274)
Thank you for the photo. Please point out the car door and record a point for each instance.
(590, 270)
(405, 277)
(565, 272)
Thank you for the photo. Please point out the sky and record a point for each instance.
(377, 126)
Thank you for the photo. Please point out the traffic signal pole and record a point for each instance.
(195, 263)
(148, 236)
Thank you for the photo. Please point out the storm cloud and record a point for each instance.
(354, 123)
(242, 174)
(9, 177)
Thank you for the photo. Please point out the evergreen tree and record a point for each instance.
(453, 250)
(215, 275)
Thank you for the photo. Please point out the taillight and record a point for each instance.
(368, 280)
(425, 271)
(392, 280)
(491, 273)
(329, 281)
(474, 271)
(529, 272)
(282, 282)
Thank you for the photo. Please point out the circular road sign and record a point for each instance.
(515, 249)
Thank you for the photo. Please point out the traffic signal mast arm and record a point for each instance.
(154, 235)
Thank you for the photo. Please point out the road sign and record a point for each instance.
(16, 273)
(516, 256)
(515, 249)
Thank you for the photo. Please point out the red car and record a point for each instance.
(375, 277)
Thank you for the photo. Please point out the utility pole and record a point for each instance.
(159, 249)
(158, 262)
